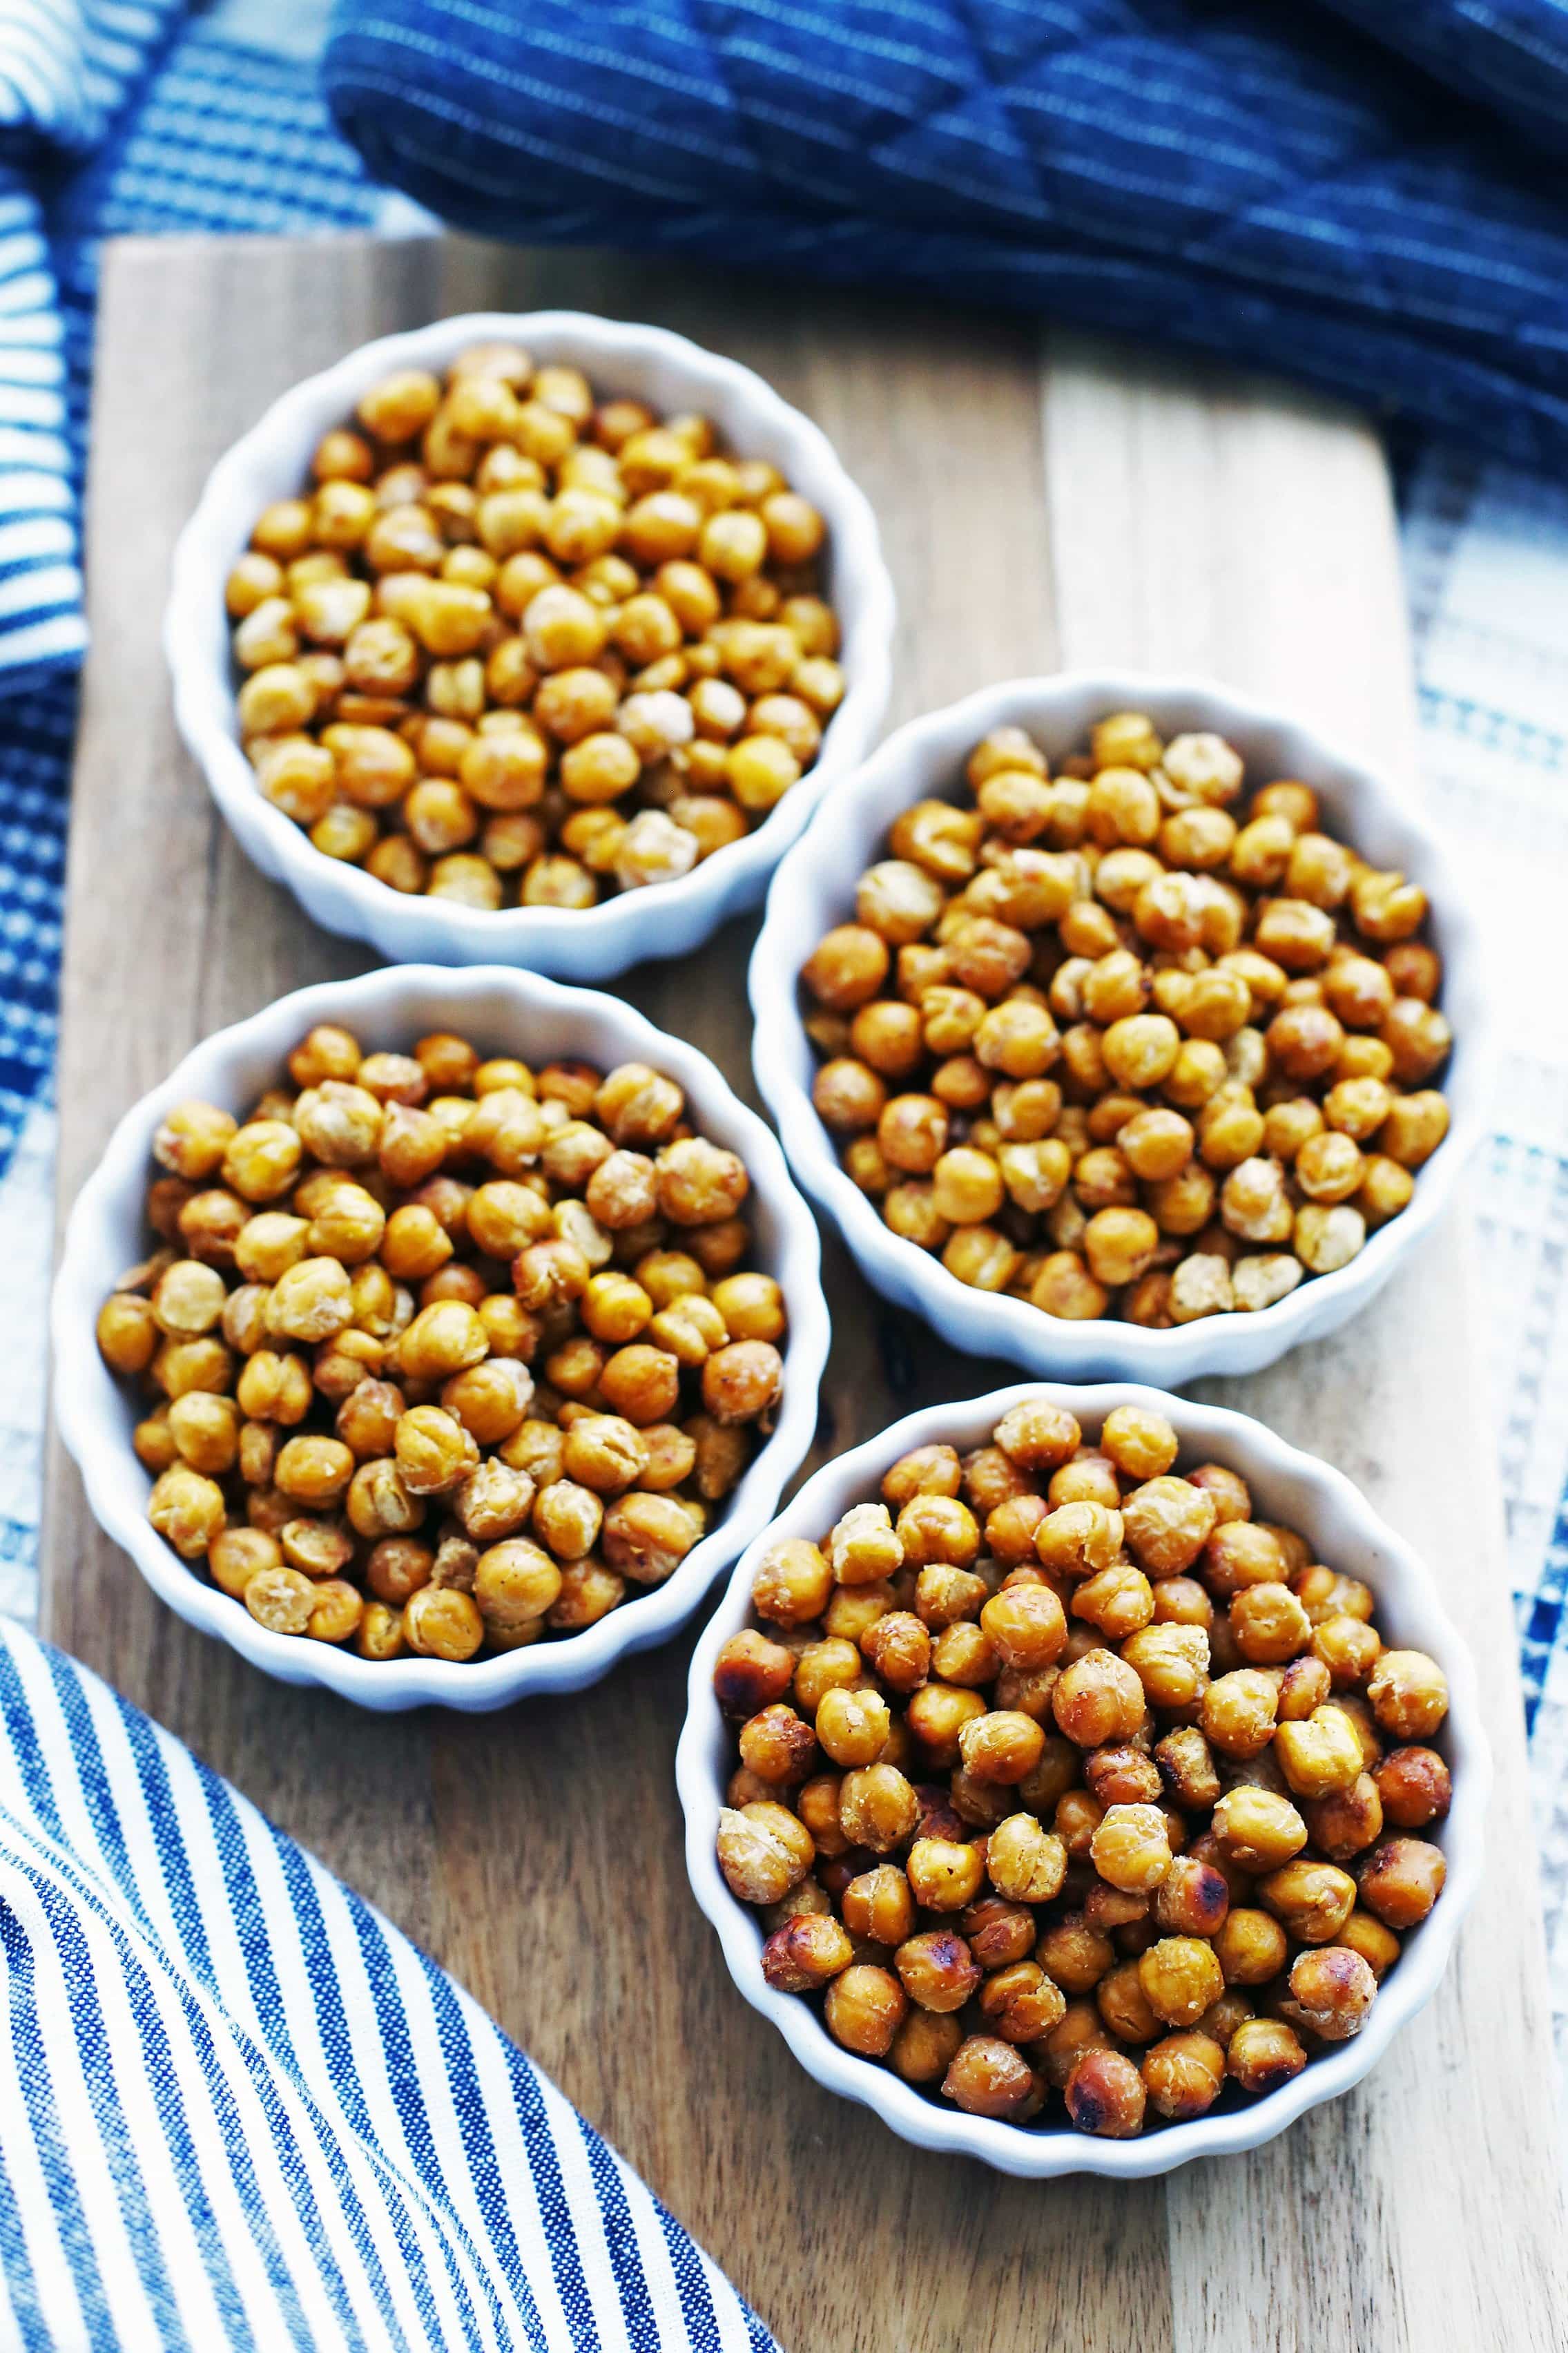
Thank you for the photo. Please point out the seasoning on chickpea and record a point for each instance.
(1067, 1857)
(516, 647)
(1109, 1048)
(475, 1340)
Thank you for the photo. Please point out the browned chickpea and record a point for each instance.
(1099, 1700)
(1379, 1947)
(764, 1851)
(853, 1725)
(864, 2010)
(1250, 1947)
(1237, 1713)
(1257, 1829)
(876, 1807)
(805, 1952)
(1402, 1880)
(1409, 1694)
(1263, 2055)
(1168, 1522)
(1105, 2095)
(1180, 1978)
(937, 1969)
(777, 1746)
(1192, 1899)
(1347, 1822)
(1312, 1899)
(898, 1647)
(1413, 1786)
(1184, 2075)
(791, 1583)
(1331, 1992)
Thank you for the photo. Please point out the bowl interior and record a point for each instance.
(500, 1013)
(815, 888)
(1286, 1485)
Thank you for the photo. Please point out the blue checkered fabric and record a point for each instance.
(1249, 177)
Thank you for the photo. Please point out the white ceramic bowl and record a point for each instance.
(814, 888)
(502, 1012)
(666, 920)
(1344, 1530)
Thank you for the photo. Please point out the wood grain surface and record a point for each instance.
(1044, 501)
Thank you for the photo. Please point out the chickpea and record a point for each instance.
(1409, 1694)
(1250, 1947)
(1401, 1881)
(1130, 1848)
(763, 1851)
(864, 2010)
(1413, 1786)
(944, 1873)
(1264, 2054)
(1332, 1990)
(1105, 2095)
(1257, 1830)
(1024, 1862)
(1099, 1700)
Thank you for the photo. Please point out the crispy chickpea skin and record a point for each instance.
(1145, 1863)
(385, 1296)
(1271, 1060)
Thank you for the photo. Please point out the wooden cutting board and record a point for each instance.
(1045, 501)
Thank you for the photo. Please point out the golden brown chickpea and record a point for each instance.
(646, 1536)
(937, 1969)
(1025, 1863)
(806, 1952)
(1130, 1848)
(1105, 2095)
(1099, 1700)
(764, 1851)
(1347, 1822)
(1264, 2053)
(877, 1905)
(1180, 1978)
(1250, 1947)
(925, 2046)
(1331, 1992)
(944, 1873)
(1401, 1881)
(777, 1746)
(1237, 1713)
(1192, 1899)
(1003, 1746)
(1409, 1694)
(1168, 1522)
(898, 1648)
(1257, 1830)
(1268, 1623)
(1413, 1786)
(864, 2010)
(853, 1725)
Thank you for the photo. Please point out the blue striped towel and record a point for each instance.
(240, 2110)
(65, 69)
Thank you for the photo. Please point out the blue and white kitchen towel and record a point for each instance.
(242, 2111)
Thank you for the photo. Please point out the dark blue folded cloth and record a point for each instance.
(1263, 181)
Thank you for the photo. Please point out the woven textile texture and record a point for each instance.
(243, 2111)
(1249, 176)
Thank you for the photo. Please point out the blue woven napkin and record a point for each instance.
(241, 2111)
(1259, 180)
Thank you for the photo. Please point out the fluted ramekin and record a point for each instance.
(815, 888)
(1344, 1530)
(502, 1012)
(576, 944)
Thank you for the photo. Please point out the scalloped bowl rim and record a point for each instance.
(926, 755)
(195, 639)
(1219, 1433)
(89, 1404)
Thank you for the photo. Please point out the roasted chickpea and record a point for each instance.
(1401, 1881)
